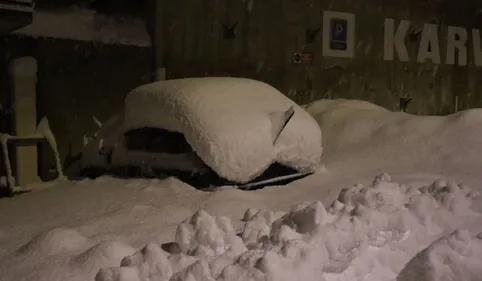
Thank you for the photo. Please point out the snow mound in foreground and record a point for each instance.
(454, 257)
(229, 123)
(65, 254)
(310, 242)
(55, 241)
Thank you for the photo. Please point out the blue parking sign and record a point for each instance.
(338, 34)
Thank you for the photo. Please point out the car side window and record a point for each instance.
(156, 140)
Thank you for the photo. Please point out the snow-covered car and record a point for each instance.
(207, 132)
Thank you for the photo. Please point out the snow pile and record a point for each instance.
(65, 254)
(105, 139)
(229, 123)
(363, 134)
(455, 257)
(310, 242)
(86, 25)
(376, 232)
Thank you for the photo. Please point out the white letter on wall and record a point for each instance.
(457, 43)
(429, 40)
(395, 41)
(477, 47)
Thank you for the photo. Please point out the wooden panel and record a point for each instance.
(269, 32)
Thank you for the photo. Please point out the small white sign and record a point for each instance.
(338, 34)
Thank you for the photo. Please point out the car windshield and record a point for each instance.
(157, 140)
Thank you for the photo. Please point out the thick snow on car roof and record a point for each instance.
(228, 122)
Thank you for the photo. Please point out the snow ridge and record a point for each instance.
(310, 242)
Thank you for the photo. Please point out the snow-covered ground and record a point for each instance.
(350, 221)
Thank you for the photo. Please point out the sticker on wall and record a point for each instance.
(303, 58)
(338, 34)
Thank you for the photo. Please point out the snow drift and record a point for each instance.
(65, 254)
(374, 232)
(385, 231)
(454, 257)
(368, 134)
(229, 123)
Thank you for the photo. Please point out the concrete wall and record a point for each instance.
(269, 32)
(77, 80)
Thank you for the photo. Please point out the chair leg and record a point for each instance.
(8, 166)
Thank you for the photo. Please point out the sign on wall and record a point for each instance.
(338, 34)
(339, 41)
(302, 58)
(459, 47)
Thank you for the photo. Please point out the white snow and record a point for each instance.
(420, 223)
(107, 137)
(456, 256)
(228, 123)
(86, 25)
